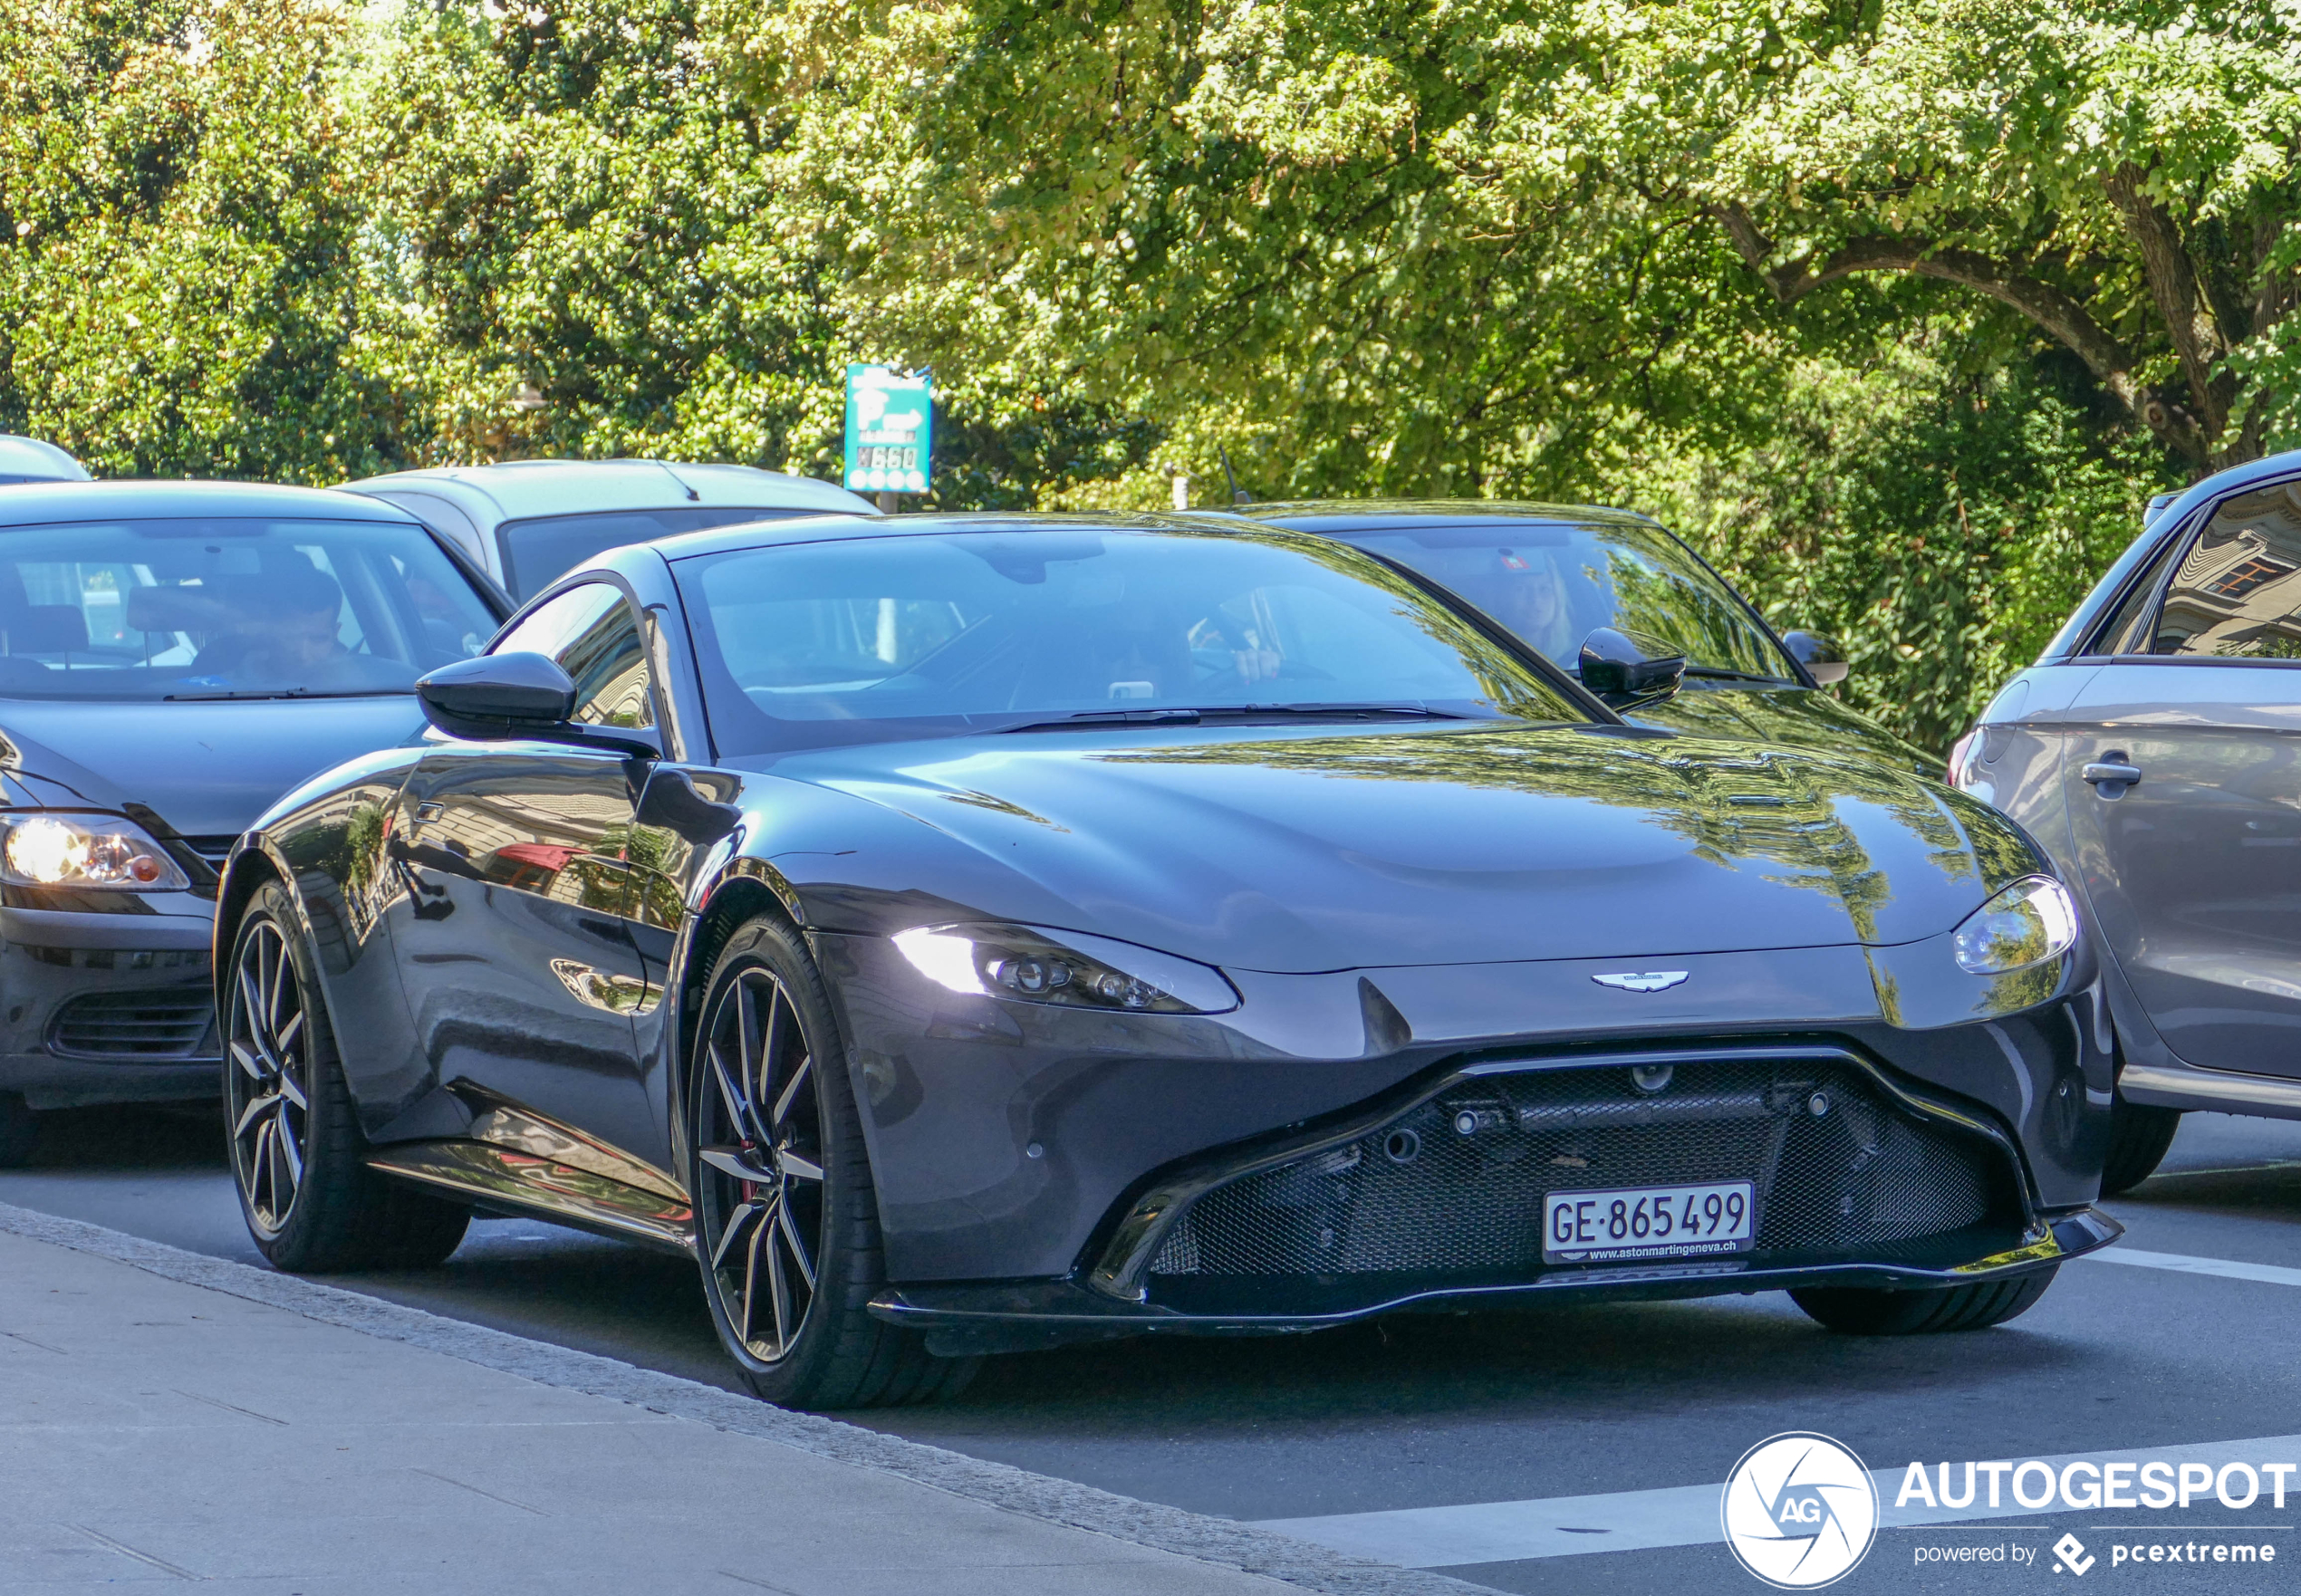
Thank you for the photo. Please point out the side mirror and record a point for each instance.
(497, 695)
(1622, 671)
(1824, 660)
(514, 695)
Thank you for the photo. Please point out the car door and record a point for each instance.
(2182, 771)
(516, 940)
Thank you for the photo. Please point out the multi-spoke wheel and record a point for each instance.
(311, 1201)
(786, 1224)
(761, 1176)
(267, 1094)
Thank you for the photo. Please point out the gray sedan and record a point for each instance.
(2155, 749)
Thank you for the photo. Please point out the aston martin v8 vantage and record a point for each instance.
(971, 934)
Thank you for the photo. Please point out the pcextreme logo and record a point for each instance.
(1799, 1511)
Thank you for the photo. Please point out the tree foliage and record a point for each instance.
(179, 288)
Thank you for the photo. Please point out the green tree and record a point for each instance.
(580, 245)
(179, 288)
(2121, 175)
(1447, 243)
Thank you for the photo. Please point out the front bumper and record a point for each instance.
(1007, 1139)
(1432, 1196)
(106, 1007)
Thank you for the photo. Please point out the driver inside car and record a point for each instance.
(1524, 593)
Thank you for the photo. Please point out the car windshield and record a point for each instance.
(200, 609)
(1554, 582)
(540, 547)
(881, 639)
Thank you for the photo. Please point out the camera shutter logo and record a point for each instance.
(1799, 1511)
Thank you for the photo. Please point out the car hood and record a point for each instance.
(1303, 849)
(208, 770)
(1804, 718)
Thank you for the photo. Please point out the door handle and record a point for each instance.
(428, 811)
(2111, 776)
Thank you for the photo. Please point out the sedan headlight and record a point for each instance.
(2029, 922)
(84, 851)
(1064, 969)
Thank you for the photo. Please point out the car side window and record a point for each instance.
(2128, 629)
(592, 634)
(2235, 590)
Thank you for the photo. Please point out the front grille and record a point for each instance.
(1420, 1196)
(154, 1026)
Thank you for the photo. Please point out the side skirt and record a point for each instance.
(508, 1177)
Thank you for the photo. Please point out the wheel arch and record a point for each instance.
(747, 890)
(244, 874)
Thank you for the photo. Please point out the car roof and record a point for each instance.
(1333, 516)
(516, 490)
(817, 529)
(39, 503)
(30, 457)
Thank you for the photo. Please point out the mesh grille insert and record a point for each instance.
(1455, 1184)
(157, 1026)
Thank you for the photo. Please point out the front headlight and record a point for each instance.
(2029, 922)
(84, 851)
(1065, 969)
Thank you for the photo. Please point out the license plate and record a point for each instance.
(1648, 1222)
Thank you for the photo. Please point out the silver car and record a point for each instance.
(524, 521)
(2155, 749)
(28, 459)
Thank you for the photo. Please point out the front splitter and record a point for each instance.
(967, 1317)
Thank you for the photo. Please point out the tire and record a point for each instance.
(786, 1222)
(1860, 1311)
(2138, 1137)
(19, 1132)
(299, 1160)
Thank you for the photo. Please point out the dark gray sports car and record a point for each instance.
(972, 934)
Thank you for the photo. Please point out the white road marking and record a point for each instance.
(2182, 1264)
(1686, 1515)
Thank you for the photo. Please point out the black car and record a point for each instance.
(1554, 573)
(173, 656)
(975, 933)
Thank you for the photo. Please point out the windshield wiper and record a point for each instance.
(219, 697)
(1094, 719)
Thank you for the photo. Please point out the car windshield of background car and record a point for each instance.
(886, 638)
(2235, 594)
(202, 609)
(540, 548)
(1553, 583)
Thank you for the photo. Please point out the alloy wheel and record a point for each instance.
(268, 1090)
(759, 1145)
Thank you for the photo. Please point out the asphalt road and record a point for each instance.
(1593, 1403)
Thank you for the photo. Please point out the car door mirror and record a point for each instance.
(1824, 660)
(511, 695)
(519, 695)
(1623, 671)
